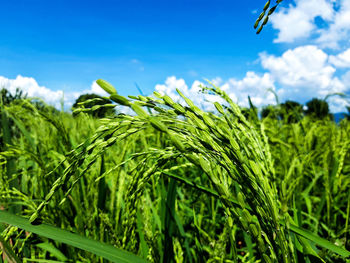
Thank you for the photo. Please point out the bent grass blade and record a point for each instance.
(100, 249)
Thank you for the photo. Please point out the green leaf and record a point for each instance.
(42, 260)
(52, 250)
(309, 251)
(100, 249)
(320, 241)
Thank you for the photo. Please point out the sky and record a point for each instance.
(52, 49)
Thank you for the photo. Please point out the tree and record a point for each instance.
(318, 108)
(291, 111)
(270, 111)
(83, 102)
(7, 97)
(43, 107)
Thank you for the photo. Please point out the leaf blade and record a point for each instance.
(100, 249)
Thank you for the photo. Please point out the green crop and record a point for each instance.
(172, 183)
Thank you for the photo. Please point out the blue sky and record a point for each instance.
(50, 47)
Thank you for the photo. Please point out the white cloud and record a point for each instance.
(299, 74)
(172, 83)
(30, 87)
(337, 104)
(194, 93)
(302, 66)
(304, 73)
(339, 28)
(170, 86)
(252, 84)
(297, 21)
(341, 60)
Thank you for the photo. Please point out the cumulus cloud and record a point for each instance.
(30, 87)
(337, 104)
(194, 92)
(299, 21)
(299, 74)
(303, 73)
(252, 84)
(302, 66)
(339, 27)
(341, 60)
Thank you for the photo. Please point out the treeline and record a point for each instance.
(288, 112)
(293, 112)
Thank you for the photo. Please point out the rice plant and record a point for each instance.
(172, 183)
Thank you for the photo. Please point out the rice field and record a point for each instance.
(172, 183)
